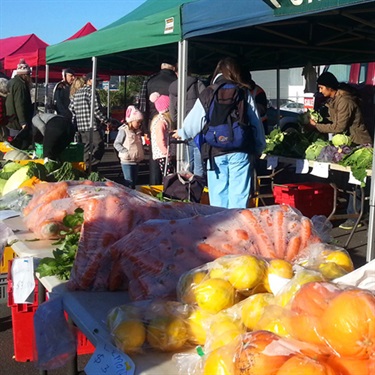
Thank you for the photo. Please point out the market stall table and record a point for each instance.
(87, 310)
(277, 164)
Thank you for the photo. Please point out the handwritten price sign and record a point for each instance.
(108, 360)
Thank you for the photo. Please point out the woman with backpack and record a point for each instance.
(229, 164)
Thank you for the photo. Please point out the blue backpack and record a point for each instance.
(226, 121)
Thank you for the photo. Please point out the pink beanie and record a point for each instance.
(161, 102)
(133, 114)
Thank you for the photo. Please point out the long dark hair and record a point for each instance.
(231, 71)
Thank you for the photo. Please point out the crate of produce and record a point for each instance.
(3, 288)
(309, 198)
(7, 256)
(73, 153)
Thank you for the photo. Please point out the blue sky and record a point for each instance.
(56, 20)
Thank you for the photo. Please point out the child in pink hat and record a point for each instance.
(129, 145)
(160, 128)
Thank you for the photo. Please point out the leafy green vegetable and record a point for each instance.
(359, 160)
(313, 151)
(27, 171)
(341, 140)
(315, 115)
(63, 257)
(52, 165)
(8, 169)
(65, 173)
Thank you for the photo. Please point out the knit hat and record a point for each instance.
(161, 102)
(23, 68)
(329, 80)
(3, 87)
(133, 114)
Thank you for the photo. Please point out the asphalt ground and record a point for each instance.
(111, 169)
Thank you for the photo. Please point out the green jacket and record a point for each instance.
(346, 117)
(18, 105)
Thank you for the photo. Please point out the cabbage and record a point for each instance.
(8, 169)
(341, 140)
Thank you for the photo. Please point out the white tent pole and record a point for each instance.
(370, 253)
(46, 109)
(92, 119)
(181, 96)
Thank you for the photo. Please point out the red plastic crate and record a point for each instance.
(23, 327)
(310, 198)
(23, 324)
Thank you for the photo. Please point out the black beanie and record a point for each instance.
(329, 80)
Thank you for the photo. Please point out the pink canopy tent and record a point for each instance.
(33, 50)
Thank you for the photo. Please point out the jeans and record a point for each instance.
(195, 159)
(229, 182)
(98, 147)
(130, 172)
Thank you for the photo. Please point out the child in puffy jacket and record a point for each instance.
(129, 145)
(160, 128)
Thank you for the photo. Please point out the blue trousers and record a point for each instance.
(195, 159)
(130, 172)
(229, 181)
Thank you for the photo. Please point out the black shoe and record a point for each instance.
(349, 225)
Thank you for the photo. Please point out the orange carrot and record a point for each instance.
(293, 248)
(242, 234)
(260, 237)
(209, 250)
(306, 230)
(279, 234)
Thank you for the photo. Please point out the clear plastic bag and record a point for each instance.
(55, 341)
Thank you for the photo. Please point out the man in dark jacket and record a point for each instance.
(19, 108)
(160, 83)
(61, 94)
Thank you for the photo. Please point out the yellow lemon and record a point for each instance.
(186, 285)
(197, 322)
(219, 272)
(130, 335)
(167, 333)
(213, 295)
(332, 270)
(219, 362)
(246, 272)
(342, 259)
(278, 267)
(276, 326)
(222, 331)
(252, 308)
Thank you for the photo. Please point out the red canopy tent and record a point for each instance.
(33, 50)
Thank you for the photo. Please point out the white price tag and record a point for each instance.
(320, 170)
(108, 360)
(302, 166)
(23, 279)
(353, 180)
(272, 162)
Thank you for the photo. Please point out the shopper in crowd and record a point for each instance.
(78, 82)
(55, 132)
(80, 106)
(19, 107)
(3, 117)
(61, 94)
(194, 87)
(229, 173)
(129, 145)
(344, 117)
(160, 83)
(160, 127)
(261, 101)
